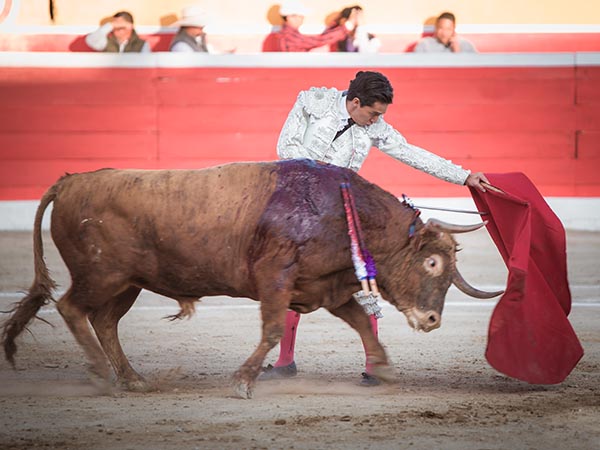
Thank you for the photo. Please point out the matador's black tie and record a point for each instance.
(343, 130)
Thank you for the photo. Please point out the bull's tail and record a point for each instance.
(40, 292)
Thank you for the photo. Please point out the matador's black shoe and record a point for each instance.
(369, 380)
(275, 373)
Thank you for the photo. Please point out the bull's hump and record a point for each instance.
(305, 193)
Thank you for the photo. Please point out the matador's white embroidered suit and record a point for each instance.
(319, 113)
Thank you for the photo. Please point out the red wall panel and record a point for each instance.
(588, 116)
(64, 145)
(233, 119)
(484, 117)
(496, 144)
(544, 121)
(250, 146)
(588, 148)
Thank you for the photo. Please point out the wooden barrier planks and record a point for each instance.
(544, 121)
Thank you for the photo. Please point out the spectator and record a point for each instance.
(290, 39)
(191, 36)
(444, 38)
(340, 128)
(359, 39)
(117, 36)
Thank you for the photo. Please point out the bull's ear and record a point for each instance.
(418, 238)
(415, 241)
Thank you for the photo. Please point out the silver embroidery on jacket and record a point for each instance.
(313, 122)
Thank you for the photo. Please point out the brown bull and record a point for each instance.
(273, 232)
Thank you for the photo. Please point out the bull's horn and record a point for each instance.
(436, 224)
(465, 287)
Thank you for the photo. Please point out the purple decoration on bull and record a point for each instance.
(370, 263)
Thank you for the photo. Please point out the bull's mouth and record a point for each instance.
(423, 320)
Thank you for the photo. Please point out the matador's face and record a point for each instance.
(365, 115)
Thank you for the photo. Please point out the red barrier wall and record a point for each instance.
(544, 121)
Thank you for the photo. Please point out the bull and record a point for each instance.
(274, 232)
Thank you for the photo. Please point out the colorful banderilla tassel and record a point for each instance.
(364, 264)
(367, 257)
(360, 267)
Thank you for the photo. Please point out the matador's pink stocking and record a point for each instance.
(288, 341)
(374, 326)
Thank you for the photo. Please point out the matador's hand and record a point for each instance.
(475, 179)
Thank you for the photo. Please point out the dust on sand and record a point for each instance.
(446, 395)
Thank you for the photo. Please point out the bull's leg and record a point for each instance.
(76, 318)
(353, 314)
(105, 322)
(275, 295)
(273, 317)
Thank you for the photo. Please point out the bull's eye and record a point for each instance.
(433, 265)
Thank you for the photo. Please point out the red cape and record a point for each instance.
(530, 337)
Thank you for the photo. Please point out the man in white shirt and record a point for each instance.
(117, 36)
(444, 39)
(340, 128)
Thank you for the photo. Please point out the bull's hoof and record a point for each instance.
(384, 373)
(101, 385)
(136, 386)
(243, 390)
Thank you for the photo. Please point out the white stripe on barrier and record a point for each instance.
(575, 213)
(289, 60)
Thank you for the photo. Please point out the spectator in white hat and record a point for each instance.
(191, 36)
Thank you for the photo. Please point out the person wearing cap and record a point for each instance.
(340, 128)
(117, 36)
(444, 39)
(191, 36)
(290, 39)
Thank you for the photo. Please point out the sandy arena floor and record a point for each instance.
(446, 396)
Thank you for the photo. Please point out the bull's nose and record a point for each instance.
(433, 320)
